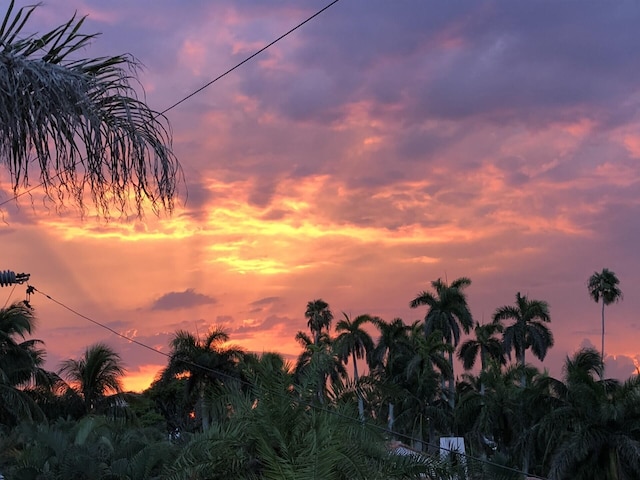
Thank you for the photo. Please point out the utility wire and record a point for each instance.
(220, 373)
(206, 85)
(195, 92)
(9, 297)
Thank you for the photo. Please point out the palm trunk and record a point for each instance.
(521, 361)
(204, 414)
(452, 384)
(391, 419)
(525, 463)
(418, 444)
(522, 334)
(355, 379)
(432, 448)
(613, 466)
(602, 350)
(483, 367)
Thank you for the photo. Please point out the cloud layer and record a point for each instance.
(380, 147)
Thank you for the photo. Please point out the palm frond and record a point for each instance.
(80, 122)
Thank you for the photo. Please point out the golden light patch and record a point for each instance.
(256, 265)
(422, 259)
(141, 379)
(174, 228)
(372, 140)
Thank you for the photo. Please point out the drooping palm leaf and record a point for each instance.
(78, 122)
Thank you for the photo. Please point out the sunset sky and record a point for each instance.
(383, 145)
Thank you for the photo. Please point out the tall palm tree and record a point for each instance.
(319, 318)
(448, 313)
(354, 341)
(485, 345)
(424, 364)
(528, 330)
(604, 286)
(207, 363)
(79, 122)
(394, 337)
(96, 374)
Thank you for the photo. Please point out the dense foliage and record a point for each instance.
(217, 411)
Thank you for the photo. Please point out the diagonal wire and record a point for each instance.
(9, 297)
(195, 92)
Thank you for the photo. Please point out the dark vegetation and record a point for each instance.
(217, 411)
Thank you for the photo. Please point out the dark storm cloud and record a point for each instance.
(180, 300)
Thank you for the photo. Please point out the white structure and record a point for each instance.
(452, 448)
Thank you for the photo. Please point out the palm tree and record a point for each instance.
(96, 374)
(595, 430)
(207, 363)
(281, 437)
(353, 341)
(448, 312)
(528, 329)
(394, 337)
(316, 364)
(17, 359)
(20, 361)
(79, 121)
(424, 364)
(499, 421)
(319, 317)
(604, 286)
(484, 345)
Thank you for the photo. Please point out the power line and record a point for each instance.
(302, 401)
(208, 84)
(198, 90)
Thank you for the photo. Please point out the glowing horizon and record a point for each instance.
(355, 162)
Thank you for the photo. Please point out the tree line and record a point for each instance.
(218, 411)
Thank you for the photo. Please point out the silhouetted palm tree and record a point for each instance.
(528, 329)
(354, 341)
(485, 345)
(78, 122)
(424, 365)
(281, 437)
(96, 374)
(317, 364)
(604, 286)
(394, 338)
(21, 361)
(448, 313)
(207, 363)
(319, 318)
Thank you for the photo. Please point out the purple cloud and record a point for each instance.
(181, 300)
